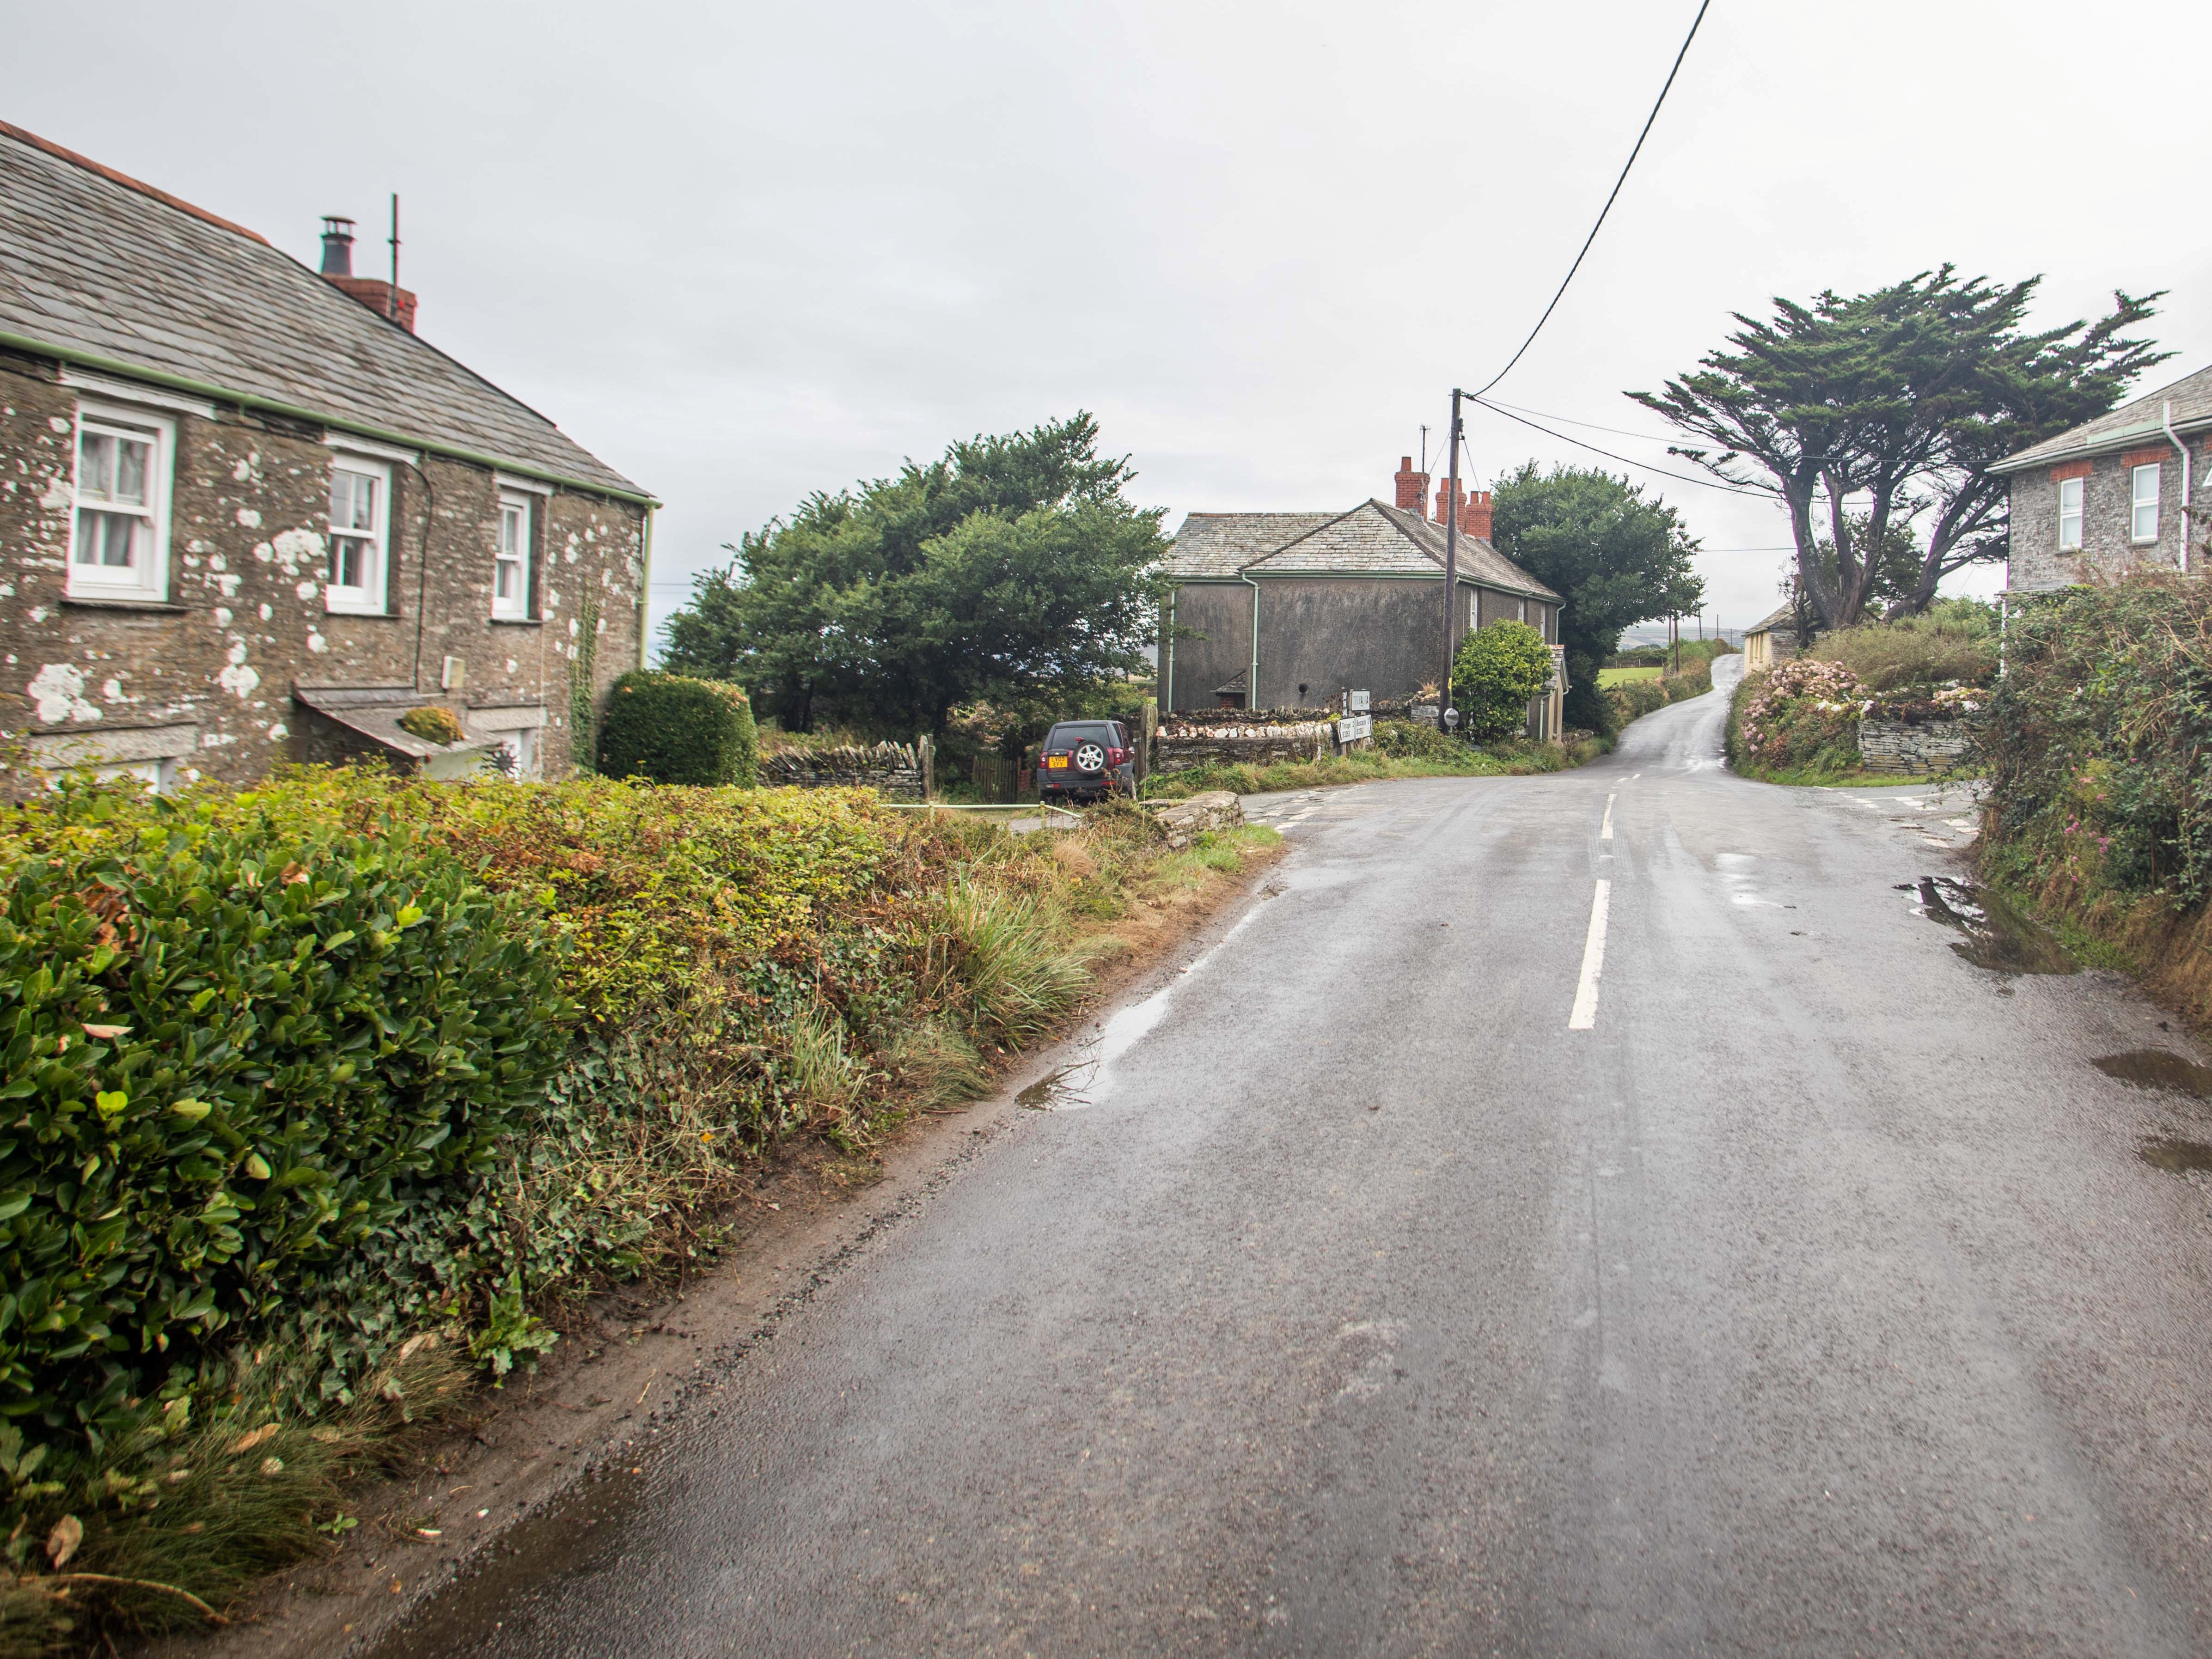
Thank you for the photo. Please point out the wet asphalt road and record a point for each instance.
(1814, 1299)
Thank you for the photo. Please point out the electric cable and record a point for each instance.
(1642, 466)
(1608, 207)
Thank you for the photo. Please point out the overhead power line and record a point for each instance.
(1642, 466)
(1587, 426)
(1608, 207)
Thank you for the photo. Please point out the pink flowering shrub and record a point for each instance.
(1805, 714)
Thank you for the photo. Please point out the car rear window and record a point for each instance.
(1068, 736)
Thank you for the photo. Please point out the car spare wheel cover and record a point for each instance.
(1090, 758)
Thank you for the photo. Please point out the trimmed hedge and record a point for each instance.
(1498, 672)
(236, 1055)
(670, 728)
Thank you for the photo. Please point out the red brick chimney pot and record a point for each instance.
(373, 292)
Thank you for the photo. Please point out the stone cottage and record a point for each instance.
(1287, 610)
(1778, 636)
(2109, 495)
(246, 515)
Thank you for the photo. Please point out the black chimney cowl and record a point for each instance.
(337, 246)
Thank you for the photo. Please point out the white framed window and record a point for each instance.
(519, 751)
(119, 533)
(1521, 611)
(2069, 515)
(510, 582)
(2143, 502)
(361, 518)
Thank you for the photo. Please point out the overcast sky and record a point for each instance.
(746, 252)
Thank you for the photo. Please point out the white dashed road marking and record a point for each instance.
(1584, 1016)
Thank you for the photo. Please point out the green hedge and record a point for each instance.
(2096, 744)
(672, 729)
(1496, 673)
(235, 1056)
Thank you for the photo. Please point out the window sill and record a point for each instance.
(123, 602)
(364, 612)
(517, 621)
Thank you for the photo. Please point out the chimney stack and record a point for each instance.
(1445, 504)
(1474, 517)
(337, 246)
(378, 295)
(1413, 486)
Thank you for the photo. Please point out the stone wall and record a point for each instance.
(1915, 749)
(204, 672)
(1180, 744)
(898, 771)
(1185, 821)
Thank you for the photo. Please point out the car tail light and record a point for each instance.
(1115, 756)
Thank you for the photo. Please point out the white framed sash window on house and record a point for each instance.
(2069, 515)
(360, 536)
(120, 531)
(2143, 503)
(510, 582)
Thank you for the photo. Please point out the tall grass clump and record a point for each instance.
(1954, 643)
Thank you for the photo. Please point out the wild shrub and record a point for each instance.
(1417, 740)
(672, 729)
(2096, 736)
(1955, 642)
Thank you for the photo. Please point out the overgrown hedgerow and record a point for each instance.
(300, 1075)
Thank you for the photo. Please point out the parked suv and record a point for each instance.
(1086, 760)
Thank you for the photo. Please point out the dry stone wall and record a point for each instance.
(898, 771)
(1914, 749)
(1185, 821)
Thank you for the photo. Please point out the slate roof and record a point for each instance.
(2130, 424)
(1223, 544)
(1779, 617)
(1370, 540)
(94, 262)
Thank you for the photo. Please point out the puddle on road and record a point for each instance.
(2163, 1152)
(1999, 935)
(501, 1604)
(1055, 1088)
(2156, 1069)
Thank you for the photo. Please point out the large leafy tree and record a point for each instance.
(1616, 557)
(1013, 567)
(1858, 414)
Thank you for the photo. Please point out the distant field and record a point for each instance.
(1622, 676)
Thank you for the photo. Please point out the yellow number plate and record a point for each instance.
(1056, 762)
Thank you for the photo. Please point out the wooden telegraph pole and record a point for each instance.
(1451, 562)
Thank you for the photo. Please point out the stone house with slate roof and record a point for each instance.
(2109, 495)
(246, 516)
(1288, 609)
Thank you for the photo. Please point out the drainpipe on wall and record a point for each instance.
(1167, 656)
(2166, 419)
(1252, 670)
(645, 596)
